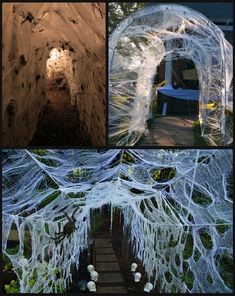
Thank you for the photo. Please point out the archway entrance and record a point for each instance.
(174, 107)
(139, 45)
(59, 122)
(171, 204)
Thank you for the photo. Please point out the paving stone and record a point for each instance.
(118, 289)
(105, 258)
(107, 266)
(104, 251)
(111, 277)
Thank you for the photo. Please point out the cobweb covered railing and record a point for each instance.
(161, 33)
(177, 205)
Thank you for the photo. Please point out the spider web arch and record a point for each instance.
(162, 32)
(176, 205)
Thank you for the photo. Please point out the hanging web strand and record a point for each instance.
(176, 207)
(161, 33)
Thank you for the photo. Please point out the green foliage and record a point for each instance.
(47, 182)
(188, 248)
(40, 152)
(201, 198)
(196, 255)
(12, 251)
(142, 206)
(230, 186)
(188, 279)
(173, 289)
(172, 243)
(13, 287)
(6, 263)
(198, 139)
(204, 159)
(163, 175)
(177, 259)
(97, 223)
(209, 279)
(78, 174)
(33, 279)
(119, 10)
(149, 122)
(76, 195)
(46, 226)
(44, 274)
(128, 158)
(205, 239)
(229, 121)
(49, 199)
(221, 228)
(226, 269)
(168, 276)
(43, 152)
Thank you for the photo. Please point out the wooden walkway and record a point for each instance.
(110, 278)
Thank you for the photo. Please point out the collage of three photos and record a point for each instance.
(117, 147)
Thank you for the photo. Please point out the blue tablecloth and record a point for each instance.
(180, 93)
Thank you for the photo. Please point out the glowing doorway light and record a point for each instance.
(54, 54)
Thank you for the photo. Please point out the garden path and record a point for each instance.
(110, 277)
(170, 131)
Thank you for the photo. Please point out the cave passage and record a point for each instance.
(59, 121)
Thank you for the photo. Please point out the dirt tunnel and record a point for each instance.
(53, 74)
(59, 122)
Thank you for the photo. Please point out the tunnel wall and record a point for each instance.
(27, 42)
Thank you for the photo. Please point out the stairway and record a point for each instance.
(110, 277)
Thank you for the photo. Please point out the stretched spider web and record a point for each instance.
(177, 205)
(161, 33)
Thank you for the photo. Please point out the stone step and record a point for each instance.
(103, 246)
(104, 251)
(103, 243)
(107, 266)
(110, 289)
(111, 277)
(106, 258)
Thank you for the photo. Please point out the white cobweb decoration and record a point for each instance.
(167, 32)
(168, 198)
